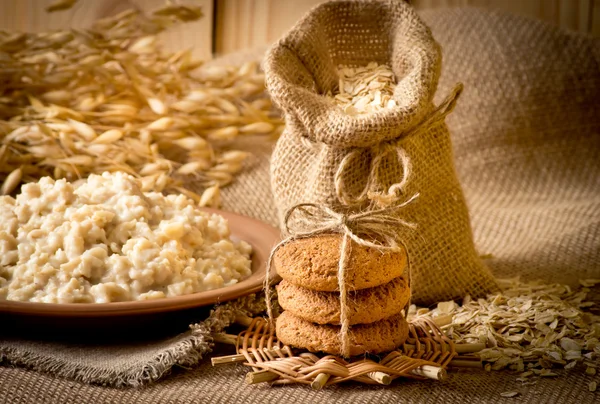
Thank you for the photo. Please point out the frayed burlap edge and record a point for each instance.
(191, 349)
(186, 353)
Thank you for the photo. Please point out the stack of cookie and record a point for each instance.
(377, 293)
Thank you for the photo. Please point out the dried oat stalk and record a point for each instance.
(58, 5)
(531, 328)
(110, 98)
(365, 89)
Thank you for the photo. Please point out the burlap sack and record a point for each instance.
(319, 135)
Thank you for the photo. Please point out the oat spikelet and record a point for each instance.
(110, 98)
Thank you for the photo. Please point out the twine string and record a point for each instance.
(342, 286)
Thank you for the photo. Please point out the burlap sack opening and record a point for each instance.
(301, 67)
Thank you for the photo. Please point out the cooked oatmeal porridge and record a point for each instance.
(107, 241)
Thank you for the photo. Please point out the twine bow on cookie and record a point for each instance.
(373, 228)
(379, 224)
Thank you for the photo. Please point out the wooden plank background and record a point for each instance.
(231, 25)
(242, 24)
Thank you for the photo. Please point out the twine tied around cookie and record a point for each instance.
(372, 228)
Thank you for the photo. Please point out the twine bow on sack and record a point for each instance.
(375, 227)
(372, 191)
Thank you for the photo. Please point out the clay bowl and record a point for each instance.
(102, 318)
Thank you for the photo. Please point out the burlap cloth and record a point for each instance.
(526, 137)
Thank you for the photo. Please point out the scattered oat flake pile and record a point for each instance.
(75, 102)
(530, 328)
(365, 89)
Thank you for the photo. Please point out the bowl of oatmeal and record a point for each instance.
(103, 246)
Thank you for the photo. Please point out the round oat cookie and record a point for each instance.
(382, 336)
(364, 306)
(313, 263)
